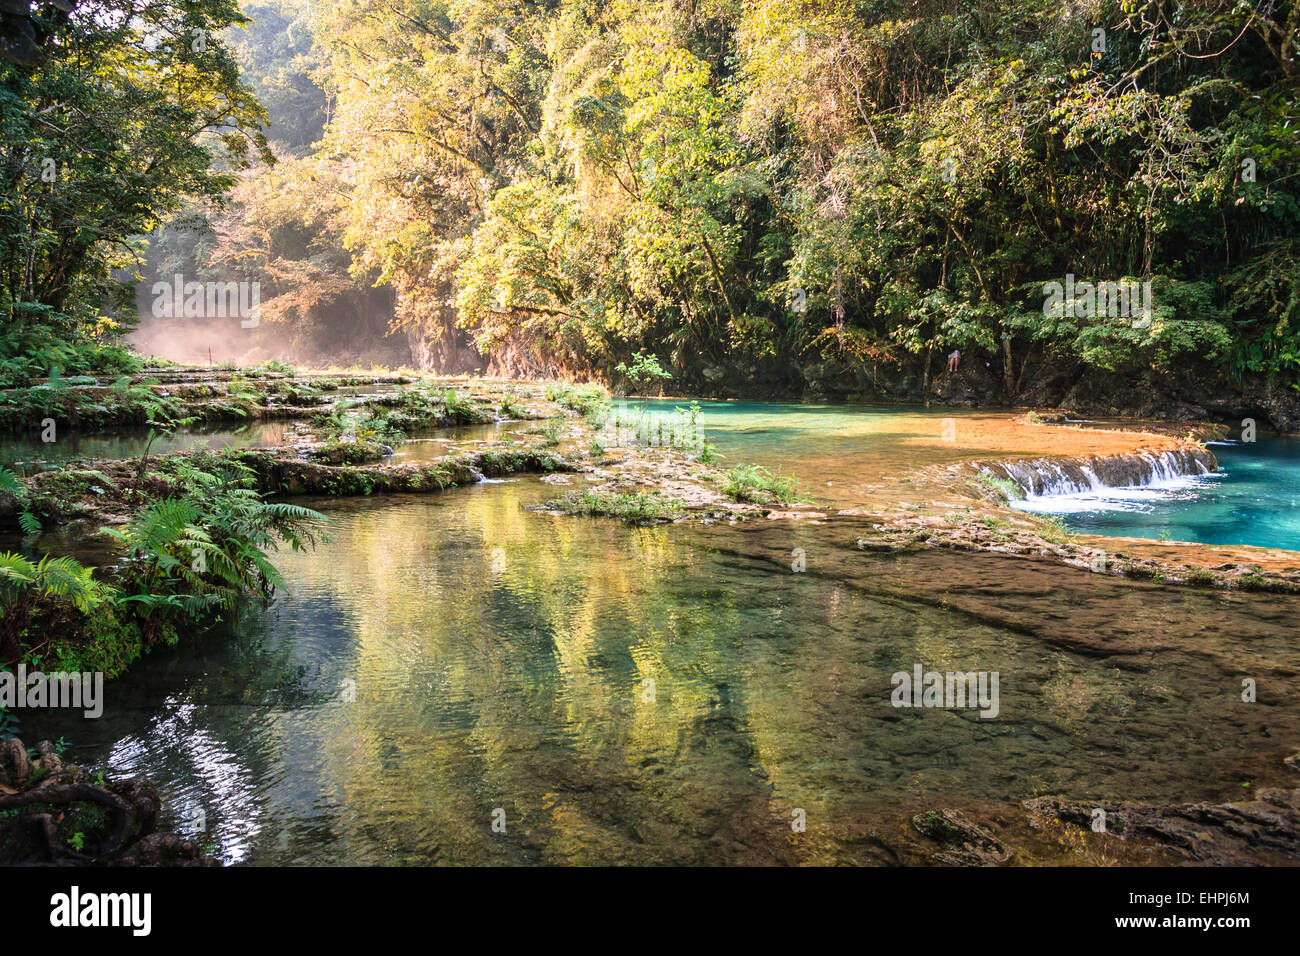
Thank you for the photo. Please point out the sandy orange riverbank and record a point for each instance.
(1008, 435)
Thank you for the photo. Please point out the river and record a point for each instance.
(673, 694)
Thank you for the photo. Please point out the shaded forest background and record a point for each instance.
(775, 197)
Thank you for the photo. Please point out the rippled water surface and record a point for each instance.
(672, 694)
(30, 454)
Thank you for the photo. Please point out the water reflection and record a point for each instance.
(29, 454)
(449, 656)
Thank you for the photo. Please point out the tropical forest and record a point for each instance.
(650, 433)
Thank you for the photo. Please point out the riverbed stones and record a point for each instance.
(1263, 830)
(964, 843)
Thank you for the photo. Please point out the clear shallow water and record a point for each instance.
(29, 454)
(445, 656)
(433, 444)
(1254, 499)
(499, 658)
(834, 450)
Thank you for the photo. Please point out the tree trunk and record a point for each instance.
(925, 376)
(1008, 376)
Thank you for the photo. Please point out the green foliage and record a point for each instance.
(200, 552)
(855, 181)
(643, 371)
(184, 559)
(756, 484)
(11, 484)
(635, 508)
(122, 120)
(32, 350)
(1054, 529)
(510, 408)
(650, 191)
(1006, 489)
(463, 411)
(9, 725)
(584, 399)
(274, 367)
(60, 586)
(63, 578)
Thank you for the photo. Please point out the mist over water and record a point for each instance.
(219, 341)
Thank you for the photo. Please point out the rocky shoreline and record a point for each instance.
(958, 507)
(961, 505)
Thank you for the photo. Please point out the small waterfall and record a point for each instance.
(1063, 476)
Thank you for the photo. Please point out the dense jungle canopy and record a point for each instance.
(748, 189)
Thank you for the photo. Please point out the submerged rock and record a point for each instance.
(1222, 834)
(965, 843)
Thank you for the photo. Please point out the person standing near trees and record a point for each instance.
(954, 360)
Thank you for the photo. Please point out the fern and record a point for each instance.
(60, 578)
(14, 567)
(11, 484)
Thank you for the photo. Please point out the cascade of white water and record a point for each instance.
(1045, 477)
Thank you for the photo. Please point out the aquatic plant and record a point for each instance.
(1054, 529)
(636, 507)
(463, 411)
(274, 367)
(756, 484)
(708, 454)
(587, 400)
(510, 408)
(1005, 487)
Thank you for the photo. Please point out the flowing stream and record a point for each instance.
(674, 694)
(1254, 498)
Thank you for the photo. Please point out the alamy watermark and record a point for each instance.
(208, 300)
(954, 689)
(60, 689)
(1130, 299)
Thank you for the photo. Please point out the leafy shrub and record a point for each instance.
(1005, 487)
(756, 484)
(583, 399)
(636, 508)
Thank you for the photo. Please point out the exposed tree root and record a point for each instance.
(51, 815)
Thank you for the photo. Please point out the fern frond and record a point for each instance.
(29, 522)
